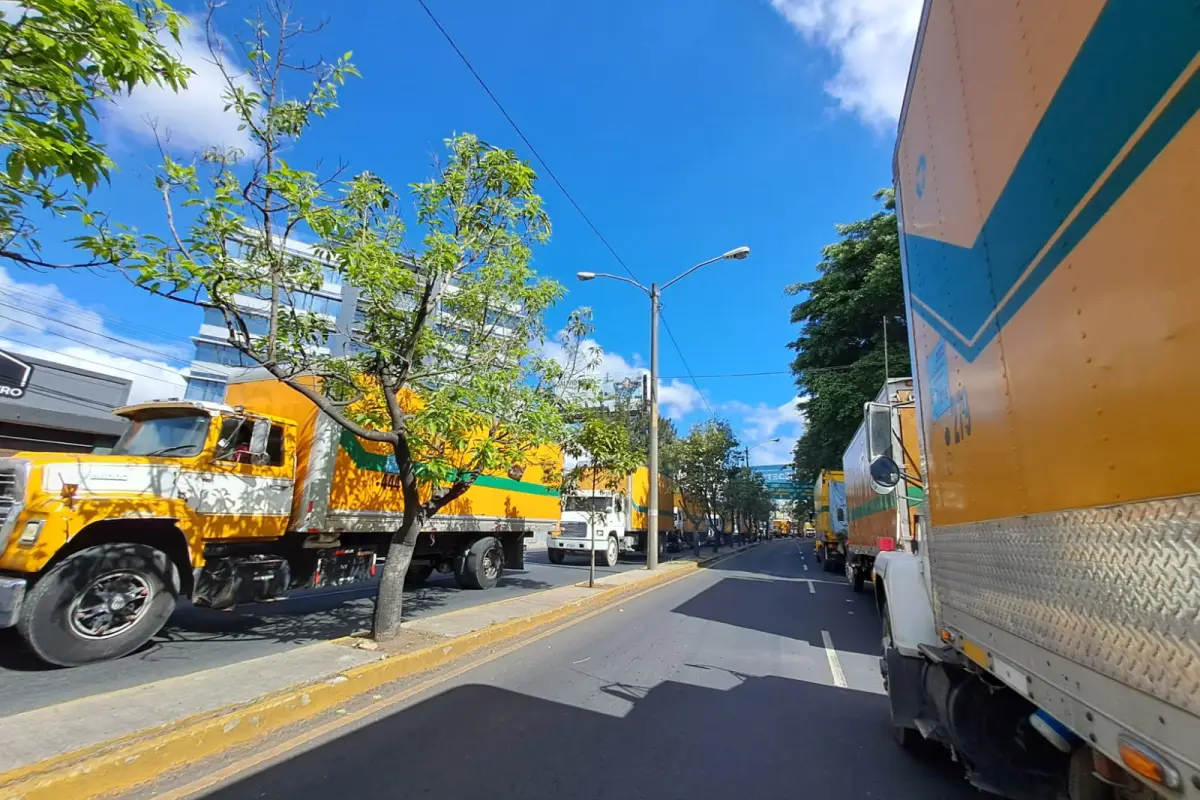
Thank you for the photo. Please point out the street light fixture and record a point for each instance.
(736, 254)
(772, 440)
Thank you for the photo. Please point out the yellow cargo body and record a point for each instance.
(363, 492)
(1047, 174)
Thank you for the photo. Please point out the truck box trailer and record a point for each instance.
(829, 497)
(224, 504)
(610, 515)
(1046, 173)
(881, 521)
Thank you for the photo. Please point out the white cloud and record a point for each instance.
(760, 422)
(872, 41)
(676, 399)
(41, 321)
(192, 119)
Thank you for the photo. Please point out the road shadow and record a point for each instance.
(303, 617)
(764, 738)
(787, 608)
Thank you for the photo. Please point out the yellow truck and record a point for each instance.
(1047, 171)
(881, 522)
(610, 515)
(690, 519)
(226, 504)
(829, 497)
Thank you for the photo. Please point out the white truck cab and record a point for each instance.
(591, 521)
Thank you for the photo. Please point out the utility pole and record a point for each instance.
(652, 522)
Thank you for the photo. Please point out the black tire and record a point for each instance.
(612, 553)
(556, 555)
(854, 575)
(418, 574)
(827, 564)
(911, 740)
(56, 624)
(482, 565)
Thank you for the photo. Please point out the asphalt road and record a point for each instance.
(199, 638)
(720, 685)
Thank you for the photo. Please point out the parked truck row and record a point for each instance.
(1023, 507)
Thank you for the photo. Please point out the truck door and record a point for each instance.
(243, 496)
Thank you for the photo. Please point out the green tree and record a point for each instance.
(703, 458)
(747, 500)
(59, 59)
(840, 354)
(444, 363)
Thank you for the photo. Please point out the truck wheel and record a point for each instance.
(556, 555)
(418, 574)
(907, 738)
(100, 603)
(855, 576)
(827, 565)
(482, 565)
(612, 552)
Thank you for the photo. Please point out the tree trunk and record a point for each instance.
(389, 601)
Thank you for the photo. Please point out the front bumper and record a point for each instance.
(12, 597)
(563, 543)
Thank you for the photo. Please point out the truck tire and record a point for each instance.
(101, 603)
(556, 555)
(827, 564)
(482, 565)
(907, 738)
(612, 553)
(854, 575)
(418, 574)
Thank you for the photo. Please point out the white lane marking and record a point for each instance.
(811, 589)
(806, 567)
(835, 666)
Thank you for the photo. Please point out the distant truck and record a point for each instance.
(226, 504)
(610, 514)
(829, 496)
(1047, 172)
(881, 522)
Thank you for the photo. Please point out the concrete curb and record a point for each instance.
(123, 764)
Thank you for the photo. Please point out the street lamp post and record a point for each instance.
(654, 292)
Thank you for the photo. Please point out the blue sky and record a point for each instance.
(683, 129)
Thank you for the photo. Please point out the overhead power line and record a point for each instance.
(104, 366)
(525, 139)
(168, 356)
(479, 78)
(679, 352)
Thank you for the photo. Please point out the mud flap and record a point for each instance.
(906, 690)
(514, 550)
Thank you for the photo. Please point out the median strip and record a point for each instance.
(124, 763)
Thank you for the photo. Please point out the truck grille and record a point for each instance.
(576, 530)
(8, 494)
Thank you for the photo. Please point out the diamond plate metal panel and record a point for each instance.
(1114, 589)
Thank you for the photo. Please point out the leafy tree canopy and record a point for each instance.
(58, 60)
(840, 357)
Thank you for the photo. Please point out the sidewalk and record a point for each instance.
(159, 708)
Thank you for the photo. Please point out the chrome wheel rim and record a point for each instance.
(491, 563)
(110, 605)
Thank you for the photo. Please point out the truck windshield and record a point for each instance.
(599, 505)
(164, 434)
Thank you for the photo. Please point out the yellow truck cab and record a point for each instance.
(223, 504)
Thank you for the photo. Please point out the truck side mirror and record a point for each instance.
(878, 419)
(885, 474)
(258, 439)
